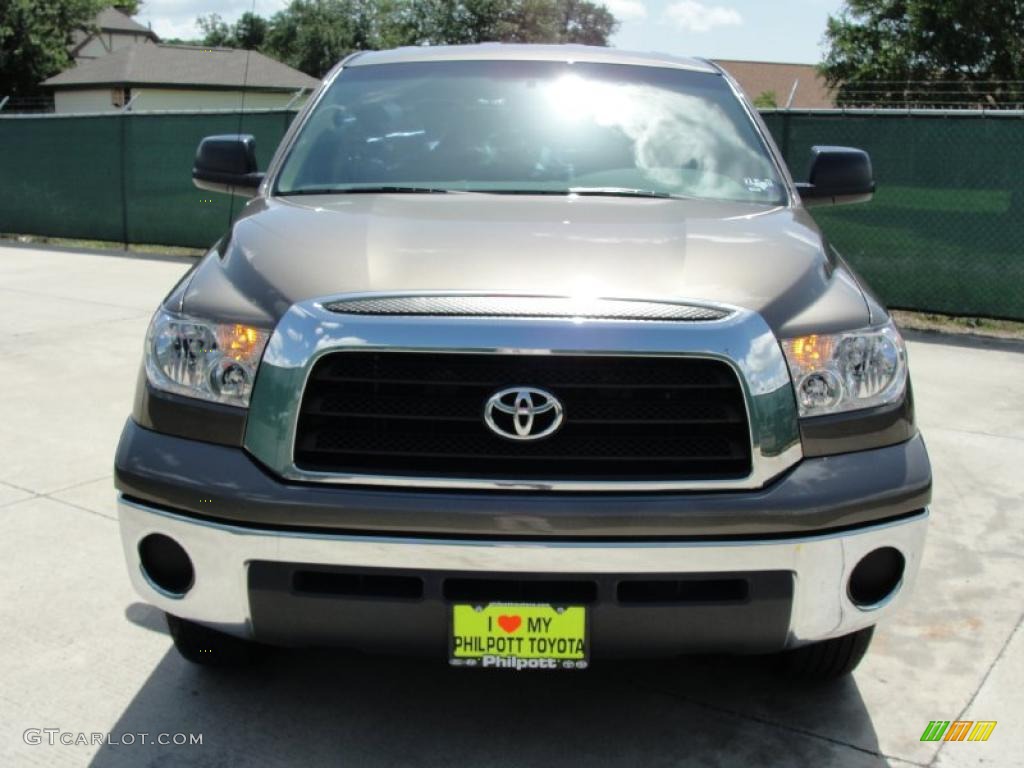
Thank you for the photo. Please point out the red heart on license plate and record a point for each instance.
(509, 623)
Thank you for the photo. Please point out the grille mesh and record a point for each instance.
(527, 306)
(421, 414)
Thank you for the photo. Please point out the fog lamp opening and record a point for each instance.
(166, 565)
(876, 577)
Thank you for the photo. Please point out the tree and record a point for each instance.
(250, 31)
(766, 100)
(34, 40)
(585, 22)
(453, 22)
(312, 35)
(925, 51)
(216, 32)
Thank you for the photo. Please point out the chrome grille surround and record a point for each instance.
(308, 330)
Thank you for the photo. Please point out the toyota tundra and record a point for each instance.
(522, 357)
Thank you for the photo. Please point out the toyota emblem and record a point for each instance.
(523, 413)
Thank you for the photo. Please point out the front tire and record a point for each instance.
(208, 647)
(828, 659)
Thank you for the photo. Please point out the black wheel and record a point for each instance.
(202, 645)
(828, 659)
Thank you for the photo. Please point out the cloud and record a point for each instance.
(627, 10)
(694, 16)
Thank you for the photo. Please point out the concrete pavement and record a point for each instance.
(80, 653)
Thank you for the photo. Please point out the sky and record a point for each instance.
(757, 30)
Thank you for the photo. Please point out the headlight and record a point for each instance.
(206, 360)
(847, 371)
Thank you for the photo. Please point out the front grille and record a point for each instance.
(625, 418)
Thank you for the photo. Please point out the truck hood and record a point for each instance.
(284, 250)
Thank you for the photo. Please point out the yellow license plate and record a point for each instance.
(519, 636)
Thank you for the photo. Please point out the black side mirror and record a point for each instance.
(227, 164)
(838, 175)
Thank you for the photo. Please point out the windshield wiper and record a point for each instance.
(409, 190)
(588, 191)
(383, 189)
(621, 192)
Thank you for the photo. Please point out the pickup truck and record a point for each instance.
(525, 357)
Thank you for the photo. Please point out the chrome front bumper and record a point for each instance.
(821, 565)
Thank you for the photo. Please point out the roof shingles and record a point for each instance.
(113, 20)
(757, 77)
(183, 66)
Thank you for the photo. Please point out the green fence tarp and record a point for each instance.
(944, 233)
(945, 230)
(124, 178)
(61, 177)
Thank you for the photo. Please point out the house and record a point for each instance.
(799, 81)
(113, 30)
(156, 76)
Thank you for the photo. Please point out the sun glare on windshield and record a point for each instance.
(532, 127)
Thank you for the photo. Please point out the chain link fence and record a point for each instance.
(945, 231)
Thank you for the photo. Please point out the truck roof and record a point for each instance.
(518, 52)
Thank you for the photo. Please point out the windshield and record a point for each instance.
(531, 127)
